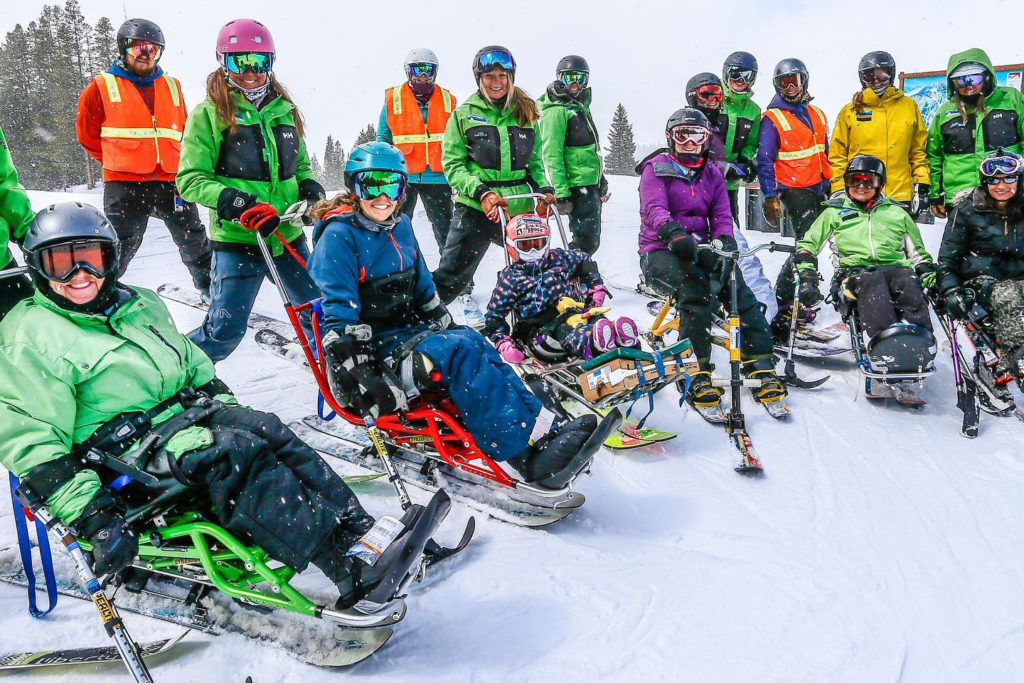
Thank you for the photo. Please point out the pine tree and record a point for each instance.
(316, 169)
(368, 134)
(104, 42)
(621, 159)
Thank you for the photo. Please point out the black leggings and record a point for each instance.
(884, 293)
(470, 233)
(802, 207)
(437, 202)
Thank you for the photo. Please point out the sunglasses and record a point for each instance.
(969, 81)
(738, 73)
(495, 58)
(995, 180)
(709, 93)
(532, 244)
(1005, 165)
(257, 62)
(868, 180)
(60, 262)
(695, 134)
(874, 76)
(372, 184)
(138, 48)
(574, 78)
(789, 81)
(422, 69)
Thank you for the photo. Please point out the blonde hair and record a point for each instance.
(219, 91)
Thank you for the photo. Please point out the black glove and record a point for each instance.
(564, 205)
(311, 191)
(923, 199)
(436, 314)
(602, 186)
(679, 242)
(114, 546)
(747, 167)
(232, 203)
(358, 379)
(959, 301)
(810, 295)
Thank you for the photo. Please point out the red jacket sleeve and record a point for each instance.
(90, 119)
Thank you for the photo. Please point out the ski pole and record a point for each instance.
(115, 628)
(789, 375)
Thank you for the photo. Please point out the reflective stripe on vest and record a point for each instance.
(419, 141)
(129, 124)
(798, 143)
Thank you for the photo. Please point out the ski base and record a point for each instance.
(902, 392)
(712, 414)
(83, 655)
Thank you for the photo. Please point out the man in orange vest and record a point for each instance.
(793, 168)
(131, 119)
(413, 120)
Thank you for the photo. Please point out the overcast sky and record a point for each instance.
(338, 57)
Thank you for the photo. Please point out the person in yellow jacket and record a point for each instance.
(883, 122)
(413, 119)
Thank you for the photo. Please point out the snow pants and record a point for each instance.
(129, 205)
(884, 294)
(585, 219)
(802, 207)
(237, 278)
(696, 298)
(13, 289)
(437, 202)
(264, 484)
(1006, 301)
(494, 404)
(470, 233)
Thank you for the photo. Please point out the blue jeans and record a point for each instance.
(236, 279)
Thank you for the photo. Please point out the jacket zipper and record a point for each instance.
(156, 140)
(152, 328)
(401, 261)
(871, 240)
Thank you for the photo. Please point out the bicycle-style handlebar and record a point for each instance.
(771, 246)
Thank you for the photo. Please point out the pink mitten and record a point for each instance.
(509, 351)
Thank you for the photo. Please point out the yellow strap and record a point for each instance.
(408, 139)
(113, 91)
(801, 153)
(173, 87)
(446, 98)
(821, 115)
(396, 100)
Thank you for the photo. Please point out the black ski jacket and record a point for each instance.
(979, 240)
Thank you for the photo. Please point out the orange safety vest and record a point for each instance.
(132, 139)
(802, 160)
(419, 142)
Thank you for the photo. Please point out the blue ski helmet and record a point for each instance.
(740, 62)
(375, 156)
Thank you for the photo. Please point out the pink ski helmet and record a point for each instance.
(244, 35)
(526, 238)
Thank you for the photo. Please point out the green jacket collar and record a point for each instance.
(737, 98)
(125, 296)
(842, 201)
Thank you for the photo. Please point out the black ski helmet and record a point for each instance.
(571, 63)
(695, 83)
(866, 163)
(138, 29)
(739, 60)
(788, 67)
(687, 116)
(878, 59)
(479, 70)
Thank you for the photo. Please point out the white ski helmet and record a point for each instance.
(420, 55)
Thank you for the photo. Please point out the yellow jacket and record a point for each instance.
(892, 130)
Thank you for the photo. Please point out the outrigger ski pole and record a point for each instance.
(115, 628)
(789, 371)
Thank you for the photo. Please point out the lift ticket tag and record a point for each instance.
(372, 545)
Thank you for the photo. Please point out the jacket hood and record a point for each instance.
(976, 55)
(658, 155)
(557, 96)
(779, 103)
(118, 69)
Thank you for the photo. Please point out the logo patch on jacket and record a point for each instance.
(847, 214)
(863, 114)
(478, 119)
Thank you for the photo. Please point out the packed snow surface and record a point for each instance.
(879, 546)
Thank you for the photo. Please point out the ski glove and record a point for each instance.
(926, 274)
(564, 205)
(959, 301)
(810, 295)
(741, 169)
(543, 205)
(359, 380)
(491, 204)
(772, 210)
(679, 242)
(311, 191)
(923, 196)
(262, 218)
(509, 351)
(114, 545)
(938, 210)
(436, 314)
(298, 214)
(596, 296)
(232, 203)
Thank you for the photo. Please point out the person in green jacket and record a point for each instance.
(742, 122)
(15, 216)
(572, 151)
(979, 117)
(88, 364)
(880, 251)
(490, 150)
(243, 155)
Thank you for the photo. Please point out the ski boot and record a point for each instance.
(783, 320)
(702, 393)
(561, 454)
(772, 391)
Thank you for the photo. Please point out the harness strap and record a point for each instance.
(25, 549)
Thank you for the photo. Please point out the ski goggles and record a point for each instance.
(698, 135)
(574, 78)
(491, 60)
(740, 75)
(874, 75)
(422, 69)
(60, 262)
(969, 81)
(789, 81)
(257, 62)
(372, 184)
(868, 180)
(138, 48)
(711, 94)
(528, 244)
(1005, 165)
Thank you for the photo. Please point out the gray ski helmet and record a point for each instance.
(878, 59)
(420, 55)
(488, 58)
(571, 63)
(788, 67)
(694, 84)
(67, 222)
(866, 163)
(687, 116)
(138, 29)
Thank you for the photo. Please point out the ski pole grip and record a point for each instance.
(787, 248)
(28, 498)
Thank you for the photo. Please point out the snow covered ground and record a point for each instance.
(879, 546)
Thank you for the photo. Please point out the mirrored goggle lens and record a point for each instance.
(970, 80)
(138, 48)
(868, 180)
(789, 81)
(257, 62)
(532, 244)
(993, 180)
(422, 69)
(710, 93)
(574, 77)
(495, 58)
(694, 134)
(61, 261)
(736, 73)
(1004, 165)
(376, 183)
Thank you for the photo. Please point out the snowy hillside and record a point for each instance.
(879, 546)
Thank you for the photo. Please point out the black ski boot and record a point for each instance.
(772, 388)
(702, 393)
(561, 454)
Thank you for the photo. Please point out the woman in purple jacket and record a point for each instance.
(683, 202)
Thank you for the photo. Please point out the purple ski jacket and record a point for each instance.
(700, 204)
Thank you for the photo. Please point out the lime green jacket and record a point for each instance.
(884, 235)
(64, 374)
(15, 210)
(264, 156)
(572, 153)
(485, 150)
(743, 122)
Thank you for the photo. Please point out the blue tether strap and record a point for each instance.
(45, 559)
